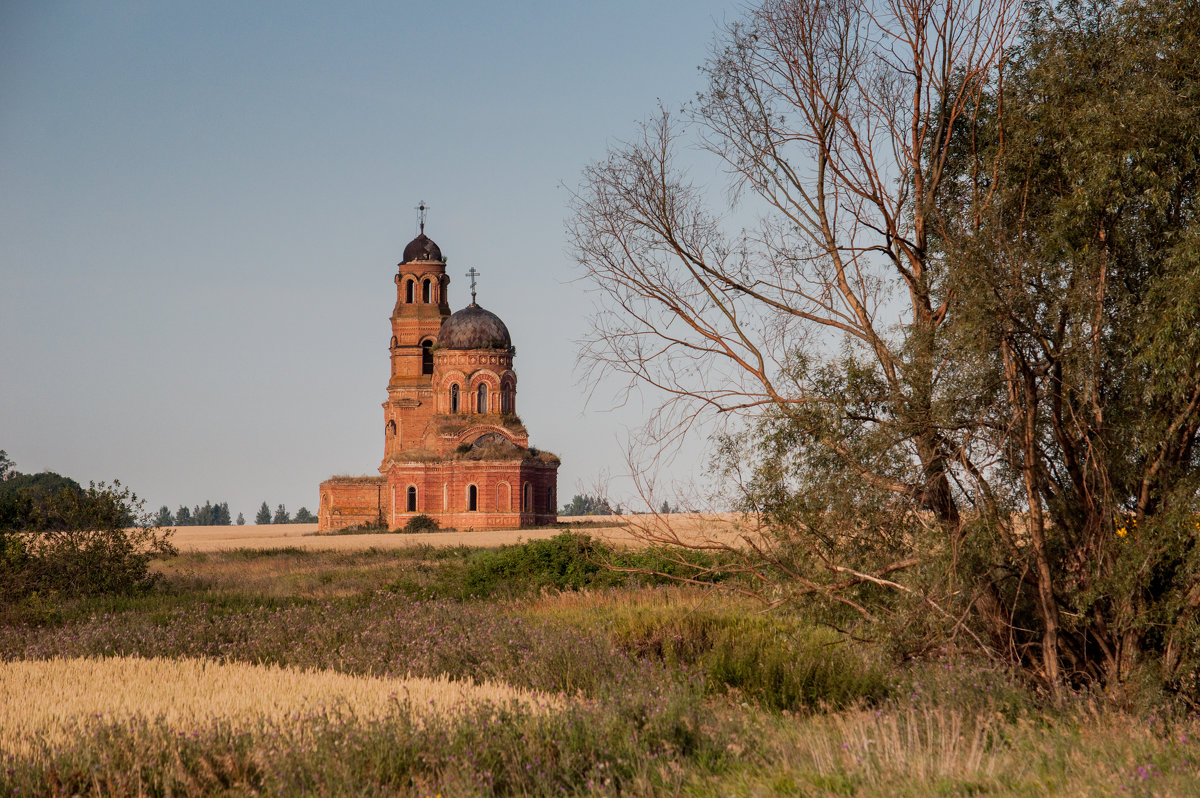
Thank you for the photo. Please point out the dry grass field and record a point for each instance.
(59, 696)
(616, 530)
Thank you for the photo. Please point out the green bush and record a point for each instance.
(571, 561)
(420, 523)
(71, 542)
(564, 562)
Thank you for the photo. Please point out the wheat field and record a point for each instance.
(629, 531)
(47, 702)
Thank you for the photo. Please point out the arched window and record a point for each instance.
(454, 398)
(408, 290)
(506, 403)
(502, 498)
(472, 498)
(427, 357)
(412, 498)
(481, 400)
(395, 343)
(427, 291)
(391, 427)
(527, 498)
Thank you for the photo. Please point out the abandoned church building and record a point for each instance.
(453, 448)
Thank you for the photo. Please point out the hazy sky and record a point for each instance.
(202, 205)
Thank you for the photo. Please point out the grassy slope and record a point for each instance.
(671, 690)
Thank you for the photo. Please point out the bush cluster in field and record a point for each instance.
(569, 561)
(572, 562)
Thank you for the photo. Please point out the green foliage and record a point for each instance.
(264, 515)
(21, 496)
(1057, 395)
(420, 523)
(1077, 310)
(281, 516)
(164, 518)
(77, 542)
(571, 561)
(303, 516)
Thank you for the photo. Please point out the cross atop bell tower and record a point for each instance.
(421, 215)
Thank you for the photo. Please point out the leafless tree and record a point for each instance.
(834, 120)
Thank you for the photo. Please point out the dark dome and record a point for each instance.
(474, 328)
(422, 248)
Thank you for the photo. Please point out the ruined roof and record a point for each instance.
(474, 328)
(422, 248)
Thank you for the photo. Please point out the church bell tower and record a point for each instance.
(421, 306)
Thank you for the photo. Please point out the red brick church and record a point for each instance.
(453, 446)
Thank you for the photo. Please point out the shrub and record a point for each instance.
(571, 561)
(420, 523)
(75, 542)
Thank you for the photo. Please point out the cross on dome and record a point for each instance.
(473, 273)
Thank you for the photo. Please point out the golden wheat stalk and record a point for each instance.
(49, 700)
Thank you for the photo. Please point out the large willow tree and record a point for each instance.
(961, 341)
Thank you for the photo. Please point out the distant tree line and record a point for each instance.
(585, 504)
(208, 515)
(218, 514)
(282, 516)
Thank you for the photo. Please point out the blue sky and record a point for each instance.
(203, 204)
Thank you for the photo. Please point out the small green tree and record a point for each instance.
(281, 516)
(183, 516)
(241, 520)
(74, 542)
(164, 517)
(264, 515)
(303, 516)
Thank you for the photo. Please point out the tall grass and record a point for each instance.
(586, 749)
(777, 660)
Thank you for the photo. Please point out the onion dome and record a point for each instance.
(474, 328)
(422, 248)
